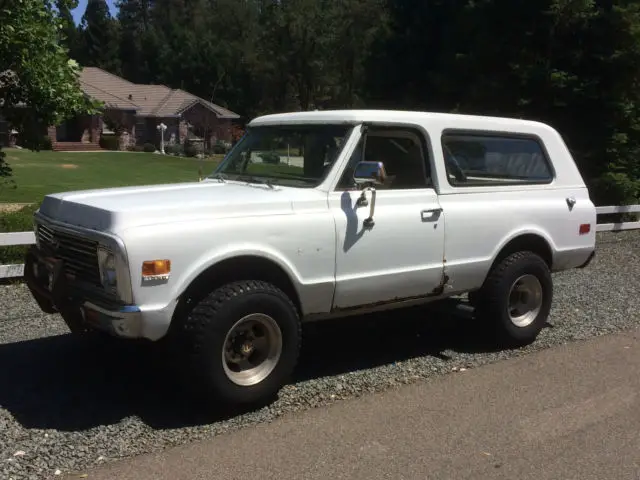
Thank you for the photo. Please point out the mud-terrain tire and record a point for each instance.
(515, 299)
(251, 322)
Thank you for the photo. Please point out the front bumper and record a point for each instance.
(54, 293)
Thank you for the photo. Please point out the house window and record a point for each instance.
(487, 159)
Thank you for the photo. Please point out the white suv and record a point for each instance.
(315, 215)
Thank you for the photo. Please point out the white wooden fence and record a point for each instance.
(617, 227)
(28, 238)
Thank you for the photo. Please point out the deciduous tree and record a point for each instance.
(38, 82)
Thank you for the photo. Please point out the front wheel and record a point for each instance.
(241, 342)
(516, 298)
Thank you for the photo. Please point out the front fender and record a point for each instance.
(217, 255)
(302, 245)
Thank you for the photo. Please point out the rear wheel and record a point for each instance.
(241, 342)
(516, 298)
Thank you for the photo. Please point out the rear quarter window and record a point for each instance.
(493, 160)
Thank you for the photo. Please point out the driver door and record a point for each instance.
(401, 256)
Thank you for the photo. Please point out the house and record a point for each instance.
(132, 112)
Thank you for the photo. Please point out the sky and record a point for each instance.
(82, 5)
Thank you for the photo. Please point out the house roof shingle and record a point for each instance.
(107, 98)
(147, 100)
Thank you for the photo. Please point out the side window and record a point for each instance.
(402, 153)
(484, 160)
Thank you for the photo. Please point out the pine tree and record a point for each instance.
(134, 17)
(100, 34)
(69, 31)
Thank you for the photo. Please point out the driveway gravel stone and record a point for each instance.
(66, 406)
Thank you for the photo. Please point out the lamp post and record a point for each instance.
(162, 127)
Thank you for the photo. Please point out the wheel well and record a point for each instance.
(247, 267)
(529, 242)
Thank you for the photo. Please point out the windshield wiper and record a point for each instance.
(219, 176)
(247, 178)
(258, 180)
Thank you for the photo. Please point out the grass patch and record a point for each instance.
(39, 173)
(18, 221)
(276, 170)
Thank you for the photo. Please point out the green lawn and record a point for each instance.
(39, 173)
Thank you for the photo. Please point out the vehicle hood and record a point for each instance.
(116, 209)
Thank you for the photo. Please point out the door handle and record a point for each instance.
(431, 214)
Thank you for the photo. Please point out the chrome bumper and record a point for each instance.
(49, 286)
(125, 321)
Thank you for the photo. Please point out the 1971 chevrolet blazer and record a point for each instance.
(315, 215)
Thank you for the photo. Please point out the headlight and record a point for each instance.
(108, 274)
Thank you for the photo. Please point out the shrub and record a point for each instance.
(190, 150)
(6, 172)
(615, 189)
(196, 143)
(19, 221)
(221, 147)
(175, 149)
(149, 147)
(109, 142)
(270, 157)
(38, 143)
(46, 144)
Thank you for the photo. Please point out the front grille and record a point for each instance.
(79, 254)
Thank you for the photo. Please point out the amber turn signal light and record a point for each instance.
(155, 268)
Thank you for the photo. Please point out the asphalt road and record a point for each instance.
(570, 412)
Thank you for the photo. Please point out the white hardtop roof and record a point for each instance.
(395, 116)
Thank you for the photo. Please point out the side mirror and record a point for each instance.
(369, 173)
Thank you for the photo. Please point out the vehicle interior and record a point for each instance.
(402, 154)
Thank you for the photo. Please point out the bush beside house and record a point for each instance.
(109, 142)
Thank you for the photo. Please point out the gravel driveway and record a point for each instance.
(66, 406)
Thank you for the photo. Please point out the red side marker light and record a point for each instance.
(585, 228)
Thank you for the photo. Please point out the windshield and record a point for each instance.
(290, 155)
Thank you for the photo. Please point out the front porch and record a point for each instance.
(81, 133)
(76, 147)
